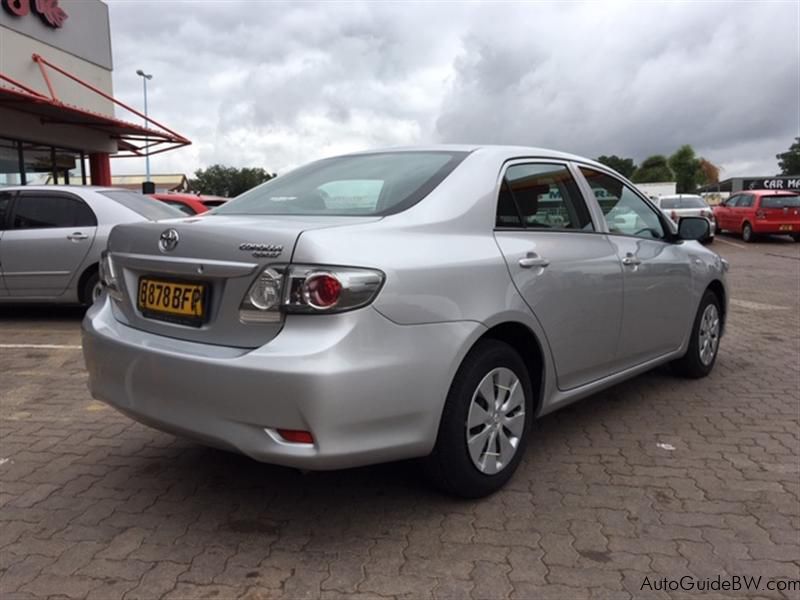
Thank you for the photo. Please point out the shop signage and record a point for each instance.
(48, 11)
(790, 183)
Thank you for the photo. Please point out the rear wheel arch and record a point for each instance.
(93, 269)
(527, 345)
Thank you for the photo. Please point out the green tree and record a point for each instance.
(789, 161)
(623, 166)
(686, 167)
(653, 169)
(219, 180)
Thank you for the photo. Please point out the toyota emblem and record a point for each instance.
(168, 240)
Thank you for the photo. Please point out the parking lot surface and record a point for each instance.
(655, 478)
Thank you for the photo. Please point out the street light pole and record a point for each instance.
(145, 77)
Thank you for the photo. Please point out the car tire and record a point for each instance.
(796, 237)
(492, 368)
(91, 289)
(747, 233)
(704, 342)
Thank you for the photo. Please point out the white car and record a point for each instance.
(677, 206)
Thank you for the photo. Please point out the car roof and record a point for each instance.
(771, 192)
(66, 188)
(679, 196)
(504, 152)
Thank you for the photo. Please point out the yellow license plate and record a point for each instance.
(785, 228)
(171, 300)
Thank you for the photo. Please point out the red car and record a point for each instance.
(757, 212)
(191, 204)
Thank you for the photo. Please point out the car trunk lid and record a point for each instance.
(215, 255)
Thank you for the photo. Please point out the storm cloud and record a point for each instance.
(275, 85)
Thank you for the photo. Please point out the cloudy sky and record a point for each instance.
(273, 84)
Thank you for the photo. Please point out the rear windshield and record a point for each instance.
(670, 203)
(693, 203)
(780, 201)
(149, 208)
(367, 184)
(690, 202)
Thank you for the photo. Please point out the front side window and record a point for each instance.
(625, 212)
(49, 212)
(359, 185)
(542, 196)
(745, 201)
(732, 201)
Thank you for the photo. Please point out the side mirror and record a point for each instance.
(693, 228)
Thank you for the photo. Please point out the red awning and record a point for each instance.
(132, 139)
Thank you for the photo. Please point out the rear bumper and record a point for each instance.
(369, 390)
(775, 227)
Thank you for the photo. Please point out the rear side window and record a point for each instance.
(5, 202)
(766, 202)
(361, 185)
(48, 212)
(149, 208)
(542, 196)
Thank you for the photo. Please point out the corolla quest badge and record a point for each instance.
(168, 240)
(262, 250)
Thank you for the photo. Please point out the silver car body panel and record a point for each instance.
(371, 383)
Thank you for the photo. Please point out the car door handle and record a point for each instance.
(631, 261)
(77, 236)
(533, 260)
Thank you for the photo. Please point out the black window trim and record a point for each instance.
(47, 193)
(539, 160)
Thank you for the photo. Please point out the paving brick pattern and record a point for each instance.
(93, 505)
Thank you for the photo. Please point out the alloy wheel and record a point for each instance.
(708, 341)
(495, 421)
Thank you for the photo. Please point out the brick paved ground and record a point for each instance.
(94, 505)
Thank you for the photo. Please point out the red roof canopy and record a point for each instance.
(133, 139)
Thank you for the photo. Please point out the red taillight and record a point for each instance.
(674, 216)
(322, 290)
(296, 437)
(704, 213)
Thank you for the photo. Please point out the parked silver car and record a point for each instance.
(51, 238)
(677, 206)
(422, 302)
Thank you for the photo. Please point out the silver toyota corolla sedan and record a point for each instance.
(51, 238)
(416, 302)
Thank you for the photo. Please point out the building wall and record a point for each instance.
(18, 125)
(81, 46)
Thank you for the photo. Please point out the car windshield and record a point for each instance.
(366, 184)
(780, 201)
(149, 208)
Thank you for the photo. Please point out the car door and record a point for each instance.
(48, 236)
(657, 276)
(567, 272)
(5, 205)
(743, 211)
(723, 212)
